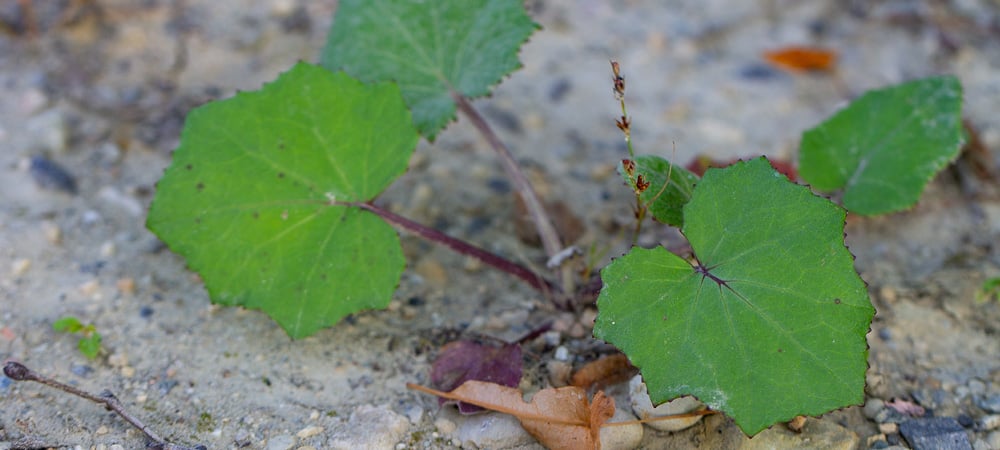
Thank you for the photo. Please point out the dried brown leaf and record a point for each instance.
(802, 59)
(560, 418)
(603, 372)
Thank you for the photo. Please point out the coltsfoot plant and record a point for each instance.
(272, 197)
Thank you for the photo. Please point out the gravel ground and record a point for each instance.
(102, 92)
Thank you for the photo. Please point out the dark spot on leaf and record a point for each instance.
(200, 186)
(281, 174)
(197, 220)
(322, 277)
(836, 301)
(664, 318)
(256, 215)
(189, 167)
(781, 350)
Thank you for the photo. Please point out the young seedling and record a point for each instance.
(989, 290)
(90, 340)
(272, 198)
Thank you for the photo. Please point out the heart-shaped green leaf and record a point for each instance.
(768, 323)
(258, 196)
(432, 49)
(886, 145)
(664, 199)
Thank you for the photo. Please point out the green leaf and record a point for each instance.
(258, 197)
(90, 346)
(430, 48)
(886, 146)
(664, 200)
(67, 325)
(769, 325)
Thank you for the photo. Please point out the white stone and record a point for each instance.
(621, 437)
(643, 407)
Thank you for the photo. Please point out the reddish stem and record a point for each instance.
(525, 274)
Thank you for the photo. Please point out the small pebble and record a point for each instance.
(977, 387)
(126, 285)
(52, 232)
(128, 371)
(118, 359)
(885, 334)
(758, 72)
(445, 426)
(107, 249)
(81, 370)
(562, 354)
(101, 430)
(888, 294)
(877, 441)
(872, 407)
(989, 403)
(20, 267)
(991, 422)
(280, 442)
(166, 386)
(146, 312)
(965, 420)
(888, 428)
(432, 272)
(309, 432)
(49, 175)
(90, 288)
(559, 89)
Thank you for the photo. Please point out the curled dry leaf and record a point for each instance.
(560, 418)
(464, 360)
(802, 59)
(603, 372)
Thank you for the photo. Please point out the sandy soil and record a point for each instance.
(104, 92)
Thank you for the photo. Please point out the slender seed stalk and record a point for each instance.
(546, 231)
(624, 124)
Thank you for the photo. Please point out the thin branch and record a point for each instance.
(19, 372)
(546, 231)
(525, 274)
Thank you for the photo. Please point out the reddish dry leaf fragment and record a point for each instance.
(802, 59)
(606, 371)
(701, 163)
(559, 418)
(906, 407)
(461, 361)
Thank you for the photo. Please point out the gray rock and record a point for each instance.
(488, 430)
(374, 427)
(935, 433)
(872, 407)
(281, 442)
(989, 403)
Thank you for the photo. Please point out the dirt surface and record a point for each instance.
(103, 90)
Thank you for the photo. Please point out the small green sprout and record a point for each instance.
(989, 289)
(90, 341)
